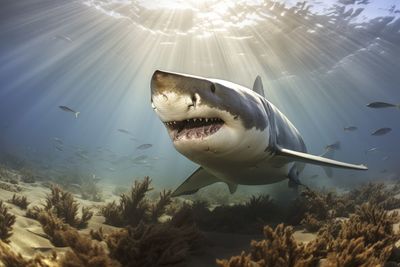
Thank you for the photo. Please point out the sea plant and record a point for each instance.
(7, 221)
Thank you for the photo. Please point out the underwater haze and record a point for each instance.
(321, 62)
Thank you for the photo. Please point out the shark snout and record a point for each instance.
(172, 88)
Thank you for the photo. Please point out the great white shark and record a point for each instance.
(234, 133)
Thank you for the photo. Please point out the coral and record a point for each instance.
(97, 234)
(6, 223)
(158, 209)
(372, 223)
(135, 207)
(218, 195)
(33, 212)
(311, 223)
(10, 187)
(312, 203)
(155, 244)
(354, 252)
(279, 249)
(85, 252)
(20, 201)
(66, 208)
(54, 228)
(249, 217)
(112, 214)
(11, 259)
(27, 175)
(89, 190)
(119, 190)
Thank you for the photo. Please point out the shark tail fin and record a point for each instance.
(329, 153)
(76, 114)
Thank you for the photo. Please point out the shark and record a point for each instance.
(234, 133)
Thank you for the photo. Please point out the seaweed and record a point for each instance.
(159, 208)
(155, 244)
(7, 221)
(279, 248)
(372, 223)
(66, 208)
(97, 234)
(355, 252)
(249, 217)
(27, 175)
(119, 190)
(85, 252)
(11, 259)
(311, 223)
(10, 187)
(89, 190)
(134, 207)
(112, 214)
(20, 201)
(33, 212)
(54, 228)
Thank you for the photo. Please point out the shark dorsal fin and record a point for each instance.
(258, 86)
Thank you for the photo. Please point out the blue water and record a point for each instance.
(320, 65)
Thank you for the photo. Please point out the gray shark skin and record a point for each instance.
(234, 133)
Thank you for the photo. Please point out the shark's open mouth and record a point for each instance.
(194, 128)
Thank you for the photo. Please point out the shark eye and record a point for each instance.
(212, 87)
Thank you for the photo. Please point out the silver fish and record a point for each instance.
(381, 131)
(144, 146)
(140, 158)
(334, 146)
(124, 131)
(372, 149)
(63, 37)
(382, 105)
(67, 109)
(350, 128)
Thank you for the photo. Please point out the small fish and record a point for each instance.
(334, 146)
(385, 158)
(373, 149)
(140, 158)
(350, 128)
(77, 186)
(59, 148)
(384, 171)
(67, 109)
(381, 131)
(63, 37)
(382, 105)
(96, 179)
(144, 146)
(124, 131)
(58, 140)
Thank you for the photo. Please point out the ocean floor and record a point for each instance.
(28, 237)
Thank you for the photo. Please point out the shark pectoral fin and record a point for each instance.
(232, 187)
(258, 86)
(199, 179)
(312, 159)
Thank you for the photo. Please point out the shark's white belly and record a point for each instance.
(269, 171)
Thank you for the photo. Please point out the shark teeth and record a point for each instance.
(194, 127)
